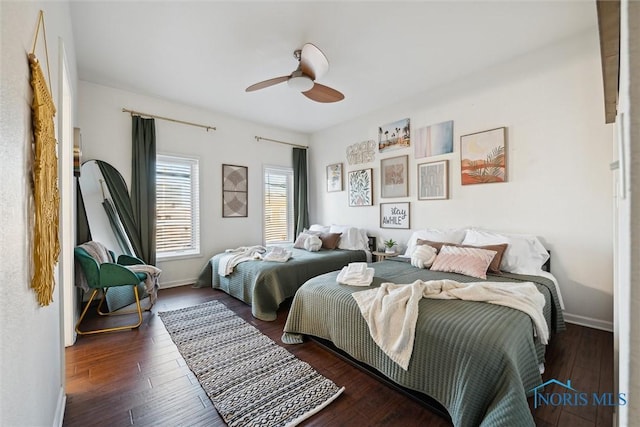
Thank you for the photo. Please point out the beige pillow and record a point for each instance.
(494, 267)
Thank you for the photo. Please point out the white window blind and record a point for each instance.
(278, 205)
(177, 206)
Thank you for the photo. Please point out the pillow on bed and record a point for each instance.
(312, 243)
(472, 262)
(302, 237)
(423, 256)
(320, 228)
(436, 245)
(329, 240)
(352, 238)
(449, 236)
(524, 255)
(494, 267)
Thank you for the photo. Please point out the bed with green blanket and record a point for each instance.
(265, 284)
(478, 360)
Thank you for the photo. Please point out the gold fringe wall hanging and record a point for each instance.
(46, 245)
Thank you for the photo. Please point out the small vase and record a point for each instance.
(389, 250)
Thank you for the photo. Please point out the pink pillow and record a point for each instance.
(472, 262)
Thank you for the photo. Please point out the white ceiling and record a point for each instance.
(206, 53)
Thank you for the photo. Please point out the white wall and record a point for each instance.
(31, 349)
(559, 149)
(106, 135)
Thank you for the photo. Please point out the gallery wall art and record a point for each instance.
(394, 135)
(361, 187)
(394, 215)
(334, 177)
(483, 157)
(434, 140)
(394, 177)
(433, 180)
(361, 152)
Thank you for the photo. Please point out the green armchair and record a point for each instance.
(103, 276)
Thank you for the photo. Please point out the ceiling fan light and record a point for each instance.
(300, 83)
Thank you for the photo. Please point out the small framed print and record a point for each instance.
(433, 180)
(234, 191)
(394, 215)
(361, 187)
(394, 177)
(334, 177)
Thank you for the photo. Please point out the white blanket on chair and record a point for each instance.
(151, 281)
(391, 311)
(233, 257)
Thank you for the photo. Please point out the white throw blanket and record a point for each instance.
(356, 274)
(276, 253)
(234, 257)
(391, 311)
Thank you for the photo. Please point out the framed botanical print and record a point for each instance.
(394, 177)
(483, 157)
(361, 188)
(235, 186)
(334, 177)
(433, 180)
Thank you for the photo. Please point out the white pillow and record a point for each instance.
(312, 243)
(352, 238)
(423, 256)
(524, 255)
(472, 262)
(454, 235)
(319, 227)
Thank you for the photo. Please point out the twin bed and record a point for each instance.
(478, 360)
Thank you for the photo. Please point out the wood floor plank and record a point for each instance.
(139, 378)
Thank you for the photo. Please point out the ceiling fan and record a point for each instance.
(312, 64)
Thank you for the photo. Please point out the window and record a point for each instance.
(278, 205)
(177, 207)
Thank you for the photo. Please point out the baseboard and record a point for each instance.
(589, 322)
(62, 402)
(176, 283)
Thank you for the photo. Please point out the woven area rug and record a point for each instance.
(250, 379)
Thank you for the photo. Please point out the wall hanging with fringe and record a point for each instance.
(46, 245)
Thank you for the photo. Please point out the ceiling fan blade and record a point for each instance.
(322, 93)
(313, 62)
(267, 83)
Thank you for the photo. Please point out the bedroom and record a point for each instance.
(528, 94)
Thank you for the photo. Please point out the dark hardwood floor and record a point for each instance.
(139, 378)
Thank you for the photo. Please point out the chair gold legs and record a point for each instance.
(118, 328)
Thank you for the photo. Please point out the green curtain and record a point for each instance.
(83, 233)
(300, 199)
(122, 202)
(143, 185)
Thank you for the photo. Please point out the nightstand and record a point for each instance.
(381, 256)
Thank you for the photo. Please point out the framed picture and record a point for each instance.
(361, 187)
(394, 135)
(433, 180)
(434, 140)
(483, 157)
(394, 215)
(235, 186)
(334, 177)
(394, 177)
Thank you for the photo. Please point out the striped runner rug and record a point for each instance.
(251, 380)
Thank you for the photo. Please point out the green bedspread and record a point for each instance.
(478, 360)
(265, 284)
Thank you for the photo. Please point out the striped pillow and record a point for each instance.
(472, 262)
